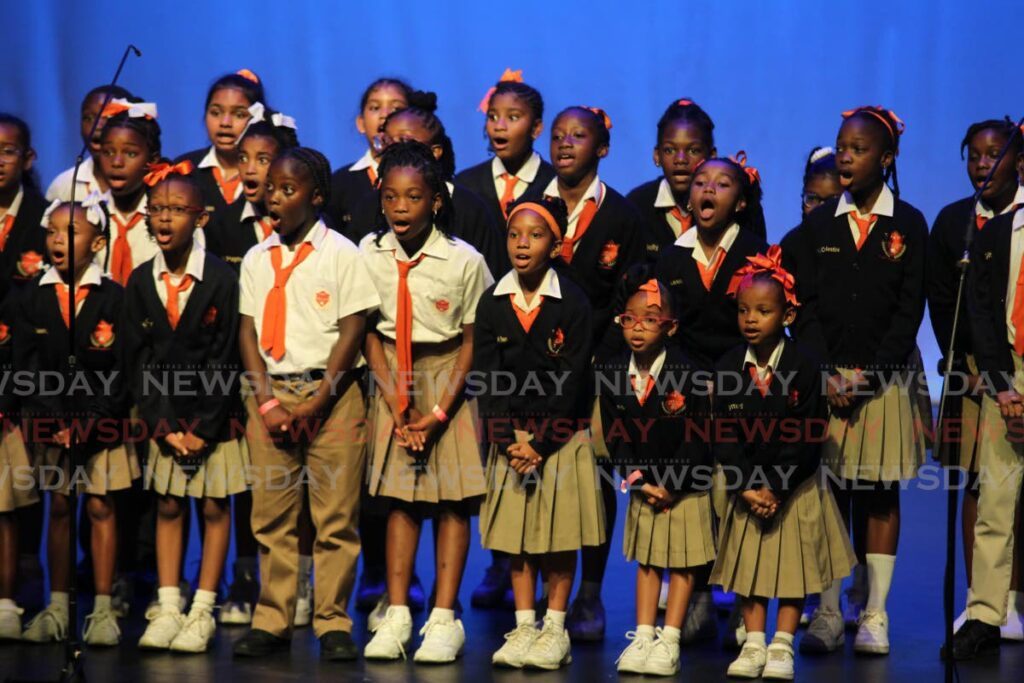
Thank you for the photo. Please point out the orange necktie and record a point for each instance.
(685, 220)
(648, 388)
(1017, 314)
(121, 260)
(275, 309)
(267, 226)
(64, 300)
(173, 310)
(762, 384)
(707, 273)
(403, 332)
(980, 221)
(509, 194)
(228, 188)
(525, 318)
(586, 216)
(372, 175)
(5, 230)
(863, 227)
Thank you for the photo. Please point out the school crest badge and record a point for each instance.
(442, 305)
(673, 403)
(103, 336)
(894, 246)
(29, 264)
(609, 254)
(793, 398)
(5, 333)
(323, 297)
(210, 316)
(556, 342)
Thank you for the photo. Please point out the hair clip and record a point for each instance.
(258, 112)
(653, 290)
(601, 114)
(740, 158)
(821, 153)
(92, 204)
(248, 75)
(509, 76)
(684, 102)
(136, 110)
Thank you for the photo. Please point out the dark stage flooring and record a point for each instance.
(915, 614)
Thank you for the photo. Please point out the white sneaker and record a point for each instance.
(750, 663)
(235, 613)
(662, 658)
(779, 666)
(517, 643)
(164, 625)
(872, 634)
(442, 642)
(101, 628)
(10, 623)
(376, 616)
(153, 608)
(827, 633)
(550, 649)
(633, 659)
(50, 625)
(196, 634)
(1013, 629)
(390, 637)
(303, 605)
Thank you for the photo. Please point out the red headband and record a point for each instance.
(741, 159)
(248, 75)
(653, 290)
(770, 263)
(509, 76)
(883, 115)
(684, 102)
(601, 114)
(544, 213)
(159, 172)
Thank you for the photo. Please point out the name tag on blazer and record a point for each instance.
(42, 330)
(734, 406)
(988, 255)
(828, 250)
(675, 283)
(502, 340)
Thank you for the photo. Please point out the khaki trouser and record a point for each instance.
(334, 462)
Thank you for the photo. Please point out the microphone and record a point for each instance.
(137, 51)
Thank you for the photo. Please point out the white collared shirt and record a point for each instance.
(445, 287)
(85, 183)
(509, 284)
(595, 191)
(639, 383)
(667, 201)
(93, 276)
(12, 210)
(142, 244)
(249, 212)
(773, 360)
(526, 175)
(211, 161)
(983, 209)
(689, 240)
(193, 268)
(364, 162)
(330, 284)
(884, 206)
(1016, 253)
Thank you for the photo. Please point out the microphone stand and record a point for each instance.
(953, 491)
(72, 669)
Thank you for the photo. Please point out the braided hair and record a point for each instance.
(317, 164)
(146, 127)
(686, 111)
(597, 118)
(1004, 126)
(891, 128)
(528, 94)
(28, 178)
(420, 157)
(423, 106)
(752, 217)
(556, 206)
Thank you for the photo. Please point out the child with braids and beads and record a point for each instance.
(305, 297)
(859, 262)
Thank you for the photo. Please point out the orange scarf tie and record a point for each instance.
(275, 309)
(5, 230)
(525, 318)
(685, 220)
(863, 227)
(586, 216)
(1017, 314)
(648, 388)
(372, 175)
(121, 259)
(266, 226)
(980, 221)
(509, 194)
(64, 300)
(762, 384)
(403, 332)
(173, 309)
(708, 273)
(228, 188)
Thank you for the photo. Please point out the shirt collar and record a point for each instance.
(316, 236)
(527, 173)
(92, 276)
(773, 360)
(364, 162)
(665, 198)
(1018, 219)
(688, 240)
(509, 284)
(884, 205)
(12, 210)
(139, 208)
(983, 209)
(248, 211)
(594, 191)
(656, 366)
(436, 245)
(210, 160)
(194, 266)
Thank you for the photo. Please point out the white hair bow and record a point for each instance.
(258, 112)
(135, 109)
(94, 206)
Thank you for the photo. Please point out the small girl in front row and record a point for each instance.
(651, 398)
(543, 502)
(782, 535)
(424, 458)
(181, 321)
(40, 344)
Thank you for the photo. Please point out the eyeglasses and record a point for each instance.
(157, 210)
(649, 322)
(10, 152)
(812, 200)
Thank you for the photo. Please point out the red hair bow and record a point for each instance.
(248, 75)
(770, 263)
(601, 114)
(684, 102)
(653, 291)
(886, 116)
(158, 172)
(752, 173)
(509, 76)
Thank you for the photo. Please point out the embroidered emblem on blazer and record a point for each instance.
(674, 403)
(556, 342)
(5, 333)
(103, 336)
(894, 246)
(210, 316)
(29, 263)
(609, 254)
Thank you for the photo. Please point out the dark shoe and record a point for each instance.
(257, 643)
(338, 646)
(585, 620)
(491, 591)
(371, 587)
(417, 599)
(975, 638)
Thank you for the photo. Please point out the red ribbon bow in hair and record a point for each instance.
(770, 263)
(157, 172)
(653, 291)
(684, 102)
(135, 109)
(882, 114)
(752, 173)
(509, 76)
(601, 114)
(248, 75)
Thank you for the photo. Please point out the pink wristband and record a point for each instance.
(268, 406)
(439, 414)
(630, 480)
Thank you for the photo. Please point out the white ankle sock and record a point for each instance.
(671, 634)
(782, 637)
(756, 638)
(102, 603)
(204, 601)
(645, 631)
(59, 599)
(401, 611)
(830, 596)
(880, 570)
(445, 616)
(557, 618)
(8, 604)
(169, 597)
(526, 616)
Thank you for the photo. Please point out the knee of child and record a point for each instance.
(100, 509)
(215, 510)
(169, 508)
(58, 506)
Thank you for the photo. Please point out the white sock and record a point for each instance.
(670, 634)
(590, 590)
(557, 618)
(830, 596)
(204, 601)
(305, 566)
(526, 616)
(756, 638)
(169, 598)
(880, 569)
(645, 631)
(102, 603)
(782, 637)
(401, 611)
(1011, 602)
(59, 599)
(444, 616)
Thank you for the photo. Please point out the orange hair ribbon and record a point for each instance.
(543, 212)
(601, 114)
(883, 115)
(684, 102)
(248, 75)
(135, 109)
(752, 173)
(653, 290)
(158, 172)
(770, 263)
(509, 76)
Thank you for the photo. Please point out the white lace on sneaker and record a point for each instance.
(779, 663)
(872, 633)
(442, 641)
(101, 628)
(517, 643)
(663, 657)
(162, 628)
(196, 633)
(389, 637)
(634, 657)
(48, 626)
(750, 662)
(550, 649)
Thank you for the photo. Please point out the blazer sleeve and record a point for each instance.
(214, 409)
(486, 358)
(798, 458)
(943, 279)
(987, 316)
(574, 363)
(798, 259)
(137, 351)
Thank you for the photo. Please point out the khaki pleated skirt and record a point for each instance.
(452, 469)
(224, 472)
(109, 470)
(558, 508)
(679, 537)
(798, 552)
(17, 478)
(884, 439)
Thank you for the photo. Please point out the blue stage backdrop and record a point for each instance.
(774, 75)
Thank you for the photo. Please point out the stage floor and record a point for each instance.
(915, 616)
